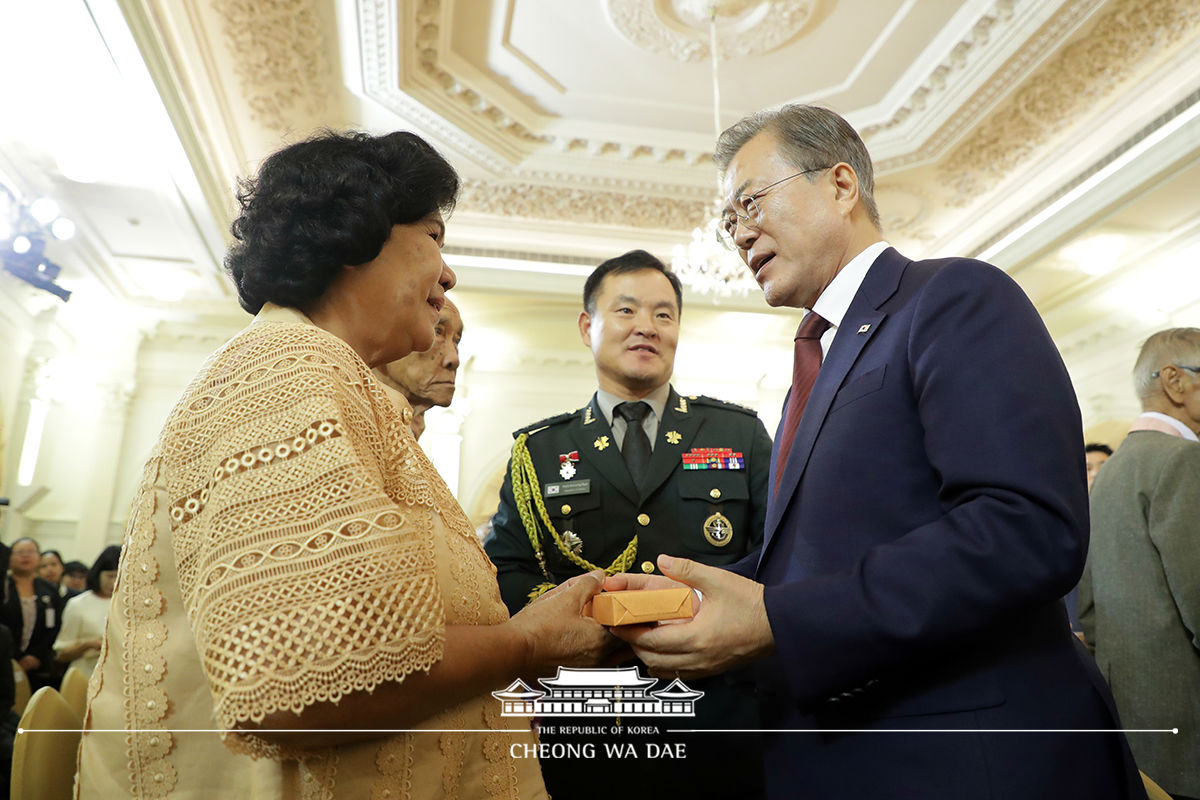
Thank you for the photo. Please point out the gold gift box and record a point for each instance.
(641, 606)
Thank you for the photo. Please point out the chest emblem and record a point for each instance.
(600, 443)
(718, 530)
(573, 542)
(673, 437)
(566, 464)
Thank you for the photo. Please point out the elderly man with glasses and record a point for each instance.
(906, 584)
(1140, 594)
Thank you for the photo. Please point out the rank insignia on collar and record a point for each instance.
(682, 407)
(673, 437)
(600, 443)
(718, 530)
(567, 462)
(588, 419)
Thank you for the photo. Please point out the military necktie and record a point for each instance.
(636, 447)
(805, 365)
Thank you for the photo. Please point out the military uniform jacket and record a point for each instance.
(714, 516)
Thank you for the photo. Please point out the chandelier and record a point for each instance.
(704, 264)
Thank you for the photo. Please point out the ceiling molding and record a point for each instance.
(679, 29)
(1035, 49)
(1065, 89)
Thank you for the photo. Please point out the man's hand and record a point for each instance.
(558, 629)
(729, 630)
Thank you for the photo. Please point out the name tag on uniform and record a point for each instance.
(568, 487)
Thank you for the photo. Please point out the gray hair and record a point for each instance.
(1172, 346)
(811, 137)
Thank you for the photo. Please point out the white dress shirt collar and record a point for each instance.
(1184, 431)
(835, 301)
(657, 400)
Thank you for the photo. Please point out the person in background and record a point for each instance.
(1139, 597)
(74, 578)
(32, 611)
(1095, 454)
(427, 379)
(78, 643)
(295, 573)
(51, 570)
(620, 490)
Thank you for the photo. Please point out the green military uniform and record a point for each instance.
(713, 515)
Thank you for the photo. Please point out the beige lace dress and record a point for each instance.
(290, 543)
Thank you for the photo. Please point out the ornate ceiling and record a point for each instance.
(1059, 139)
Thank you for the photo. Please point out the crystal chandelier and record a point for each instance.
(704, 263)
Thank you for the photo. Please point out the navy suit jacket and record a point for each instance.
(932, 511)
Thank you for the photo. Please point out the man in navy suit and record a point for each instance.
(929, 510)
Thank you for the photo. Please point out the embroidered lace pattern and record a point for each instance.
(151, 773)
(304, 563)
(395, 764)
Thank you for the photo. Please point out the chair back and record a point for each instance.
(21, 684)
(1153, 790)
(74, 690)
(43, 764)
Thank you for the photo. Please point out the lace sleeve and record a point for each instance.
(303, 573)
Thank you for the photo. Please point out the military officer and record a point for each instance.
(638, 471)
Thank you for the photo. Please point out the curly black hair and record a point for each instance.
(329, 202)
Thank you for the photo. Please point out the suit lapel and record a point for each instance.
(597, 447)
(677, 418)
(861, 323)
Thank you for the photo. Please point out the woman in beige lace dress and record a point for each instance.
(302, 609)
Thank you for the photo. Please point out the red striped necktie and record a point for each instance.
(806, 364)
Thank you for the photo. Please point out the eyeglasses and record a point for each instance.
(1195, 370)
(753, 216)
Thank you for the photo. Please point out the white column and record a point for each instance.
(442, 441)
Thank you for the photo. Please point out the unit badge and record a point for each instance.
(718, 530)
(600, 443)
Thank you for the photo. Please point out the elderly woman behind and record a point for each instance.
(296, 574)
(78, 642)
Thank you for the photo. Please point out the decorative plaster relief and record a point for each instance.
(1036, 48)
(679, 29)
(902, 207)
(530, 201)
(1064, 89)
(278, 55)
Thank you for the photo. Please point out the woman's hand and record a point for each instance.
(559, 631)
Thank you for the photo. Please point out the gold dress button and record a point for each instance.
(566, 508)
(643, 519)
(647, 567)
(406, 415)
(715, 494)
